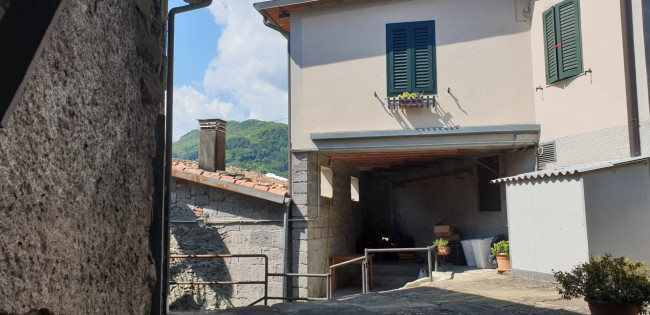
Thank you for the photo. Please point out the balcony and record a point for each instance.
(424, 101)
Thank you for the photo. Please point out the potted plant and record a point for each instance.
(610, 285)
(410, 98)
(501, 250)
(442, 243)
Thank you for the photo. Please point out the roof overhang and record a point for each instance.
(277, 12)
(221, 184)
(381, 149)
(456, 138)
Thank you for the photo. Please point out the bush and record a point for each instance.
(613, 280)
(502, 247)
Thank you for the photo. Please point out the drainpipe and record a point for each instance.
(286, 268)
(169, 111)
(630, 78)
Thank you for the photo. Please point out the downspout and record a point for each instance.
(286, 268)
(630, 78)
(169, 111)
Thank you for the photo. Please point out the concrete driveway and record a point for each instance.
(467, 292)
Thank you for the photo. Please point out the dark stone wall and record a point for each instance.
(76, 175)
(235, 224)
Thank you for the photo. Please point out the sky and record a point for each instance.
(227, 65)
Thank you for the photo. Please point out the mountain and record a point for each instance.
(256, 145)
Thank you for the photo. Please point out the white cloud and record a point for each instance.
(249, 70)
(190, 105)
(251, 62)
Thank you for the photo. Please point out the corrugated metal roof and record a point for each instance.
(571, 170)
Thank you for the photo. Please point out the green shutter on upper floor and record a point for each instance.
(549, 43)
(567, 16)
(397, 53)
(410, 57)
(562, 41)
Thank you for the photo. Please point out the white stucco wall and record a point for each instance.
(618, 211)
(546, 223)
(338, 63)
(590, 102)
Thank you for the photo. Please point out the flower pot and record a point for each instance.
(605, 308)
(443, 250)
(503, 263)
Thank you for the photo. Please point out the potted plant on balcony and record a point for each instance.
(410, 99)
(501, 250)
(610, 285)
(442, 243)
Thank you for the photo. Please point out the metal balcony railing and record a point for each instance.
(425, 101)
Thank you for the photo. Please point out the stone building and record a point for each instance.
(223, 212)
(80, 101)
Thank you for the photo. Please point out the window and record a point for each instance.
(411, 57)
(23, 26)
(489, 195)
(562, 41)
(326, 182)
(354, 188)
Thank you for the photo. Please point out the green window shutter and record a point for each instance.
(550, 43)
(410, 57)
(424, 74)
(397, 54)
(567, 17)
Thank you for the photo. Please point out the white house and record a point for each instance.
(503, 88)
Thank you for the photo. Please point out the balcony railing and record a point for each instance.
(425, 101)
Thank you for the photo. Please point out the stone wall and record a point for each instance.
(341, 225)
(229, 230)
(76, 175)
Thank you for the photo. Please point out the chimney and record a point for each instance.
(212, 144)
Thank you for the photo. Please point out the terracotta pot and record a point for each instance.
(503, 262)
(605, 308)
(443, 250)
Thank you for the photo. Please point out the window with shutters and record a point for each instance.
(562, 41)
(411, 57)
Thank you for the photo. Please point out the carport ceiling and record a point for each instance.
(379, 160)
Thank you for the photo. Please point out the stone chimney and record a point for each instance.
(212, 145)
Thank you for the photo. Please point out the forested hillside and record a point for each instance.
(259, 146)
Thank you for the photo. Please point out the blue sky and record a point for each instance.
(228, 65)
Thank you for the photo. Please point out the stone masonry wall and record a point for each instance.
(191, 200)
(76, 175)
(310, 239)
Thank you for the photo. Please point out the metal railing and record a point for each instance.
(429, 249)
(265, 282)
(364, 272)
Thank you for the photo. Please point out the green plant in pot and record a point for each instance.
(610, 285)
(442, 243)
(501, 250)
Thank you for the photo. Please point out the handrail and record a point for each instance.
(266, 297)
(266, 273)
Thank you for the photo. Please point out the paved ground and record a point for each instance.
(468, 292)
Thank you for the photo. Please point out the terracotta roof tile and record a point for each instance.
(232, 175)
(261, 187)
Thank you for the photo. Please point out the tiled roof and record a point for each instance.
(272, 190)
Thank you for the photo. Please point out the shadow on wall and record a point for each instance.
(190, 239)
(433, 117)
